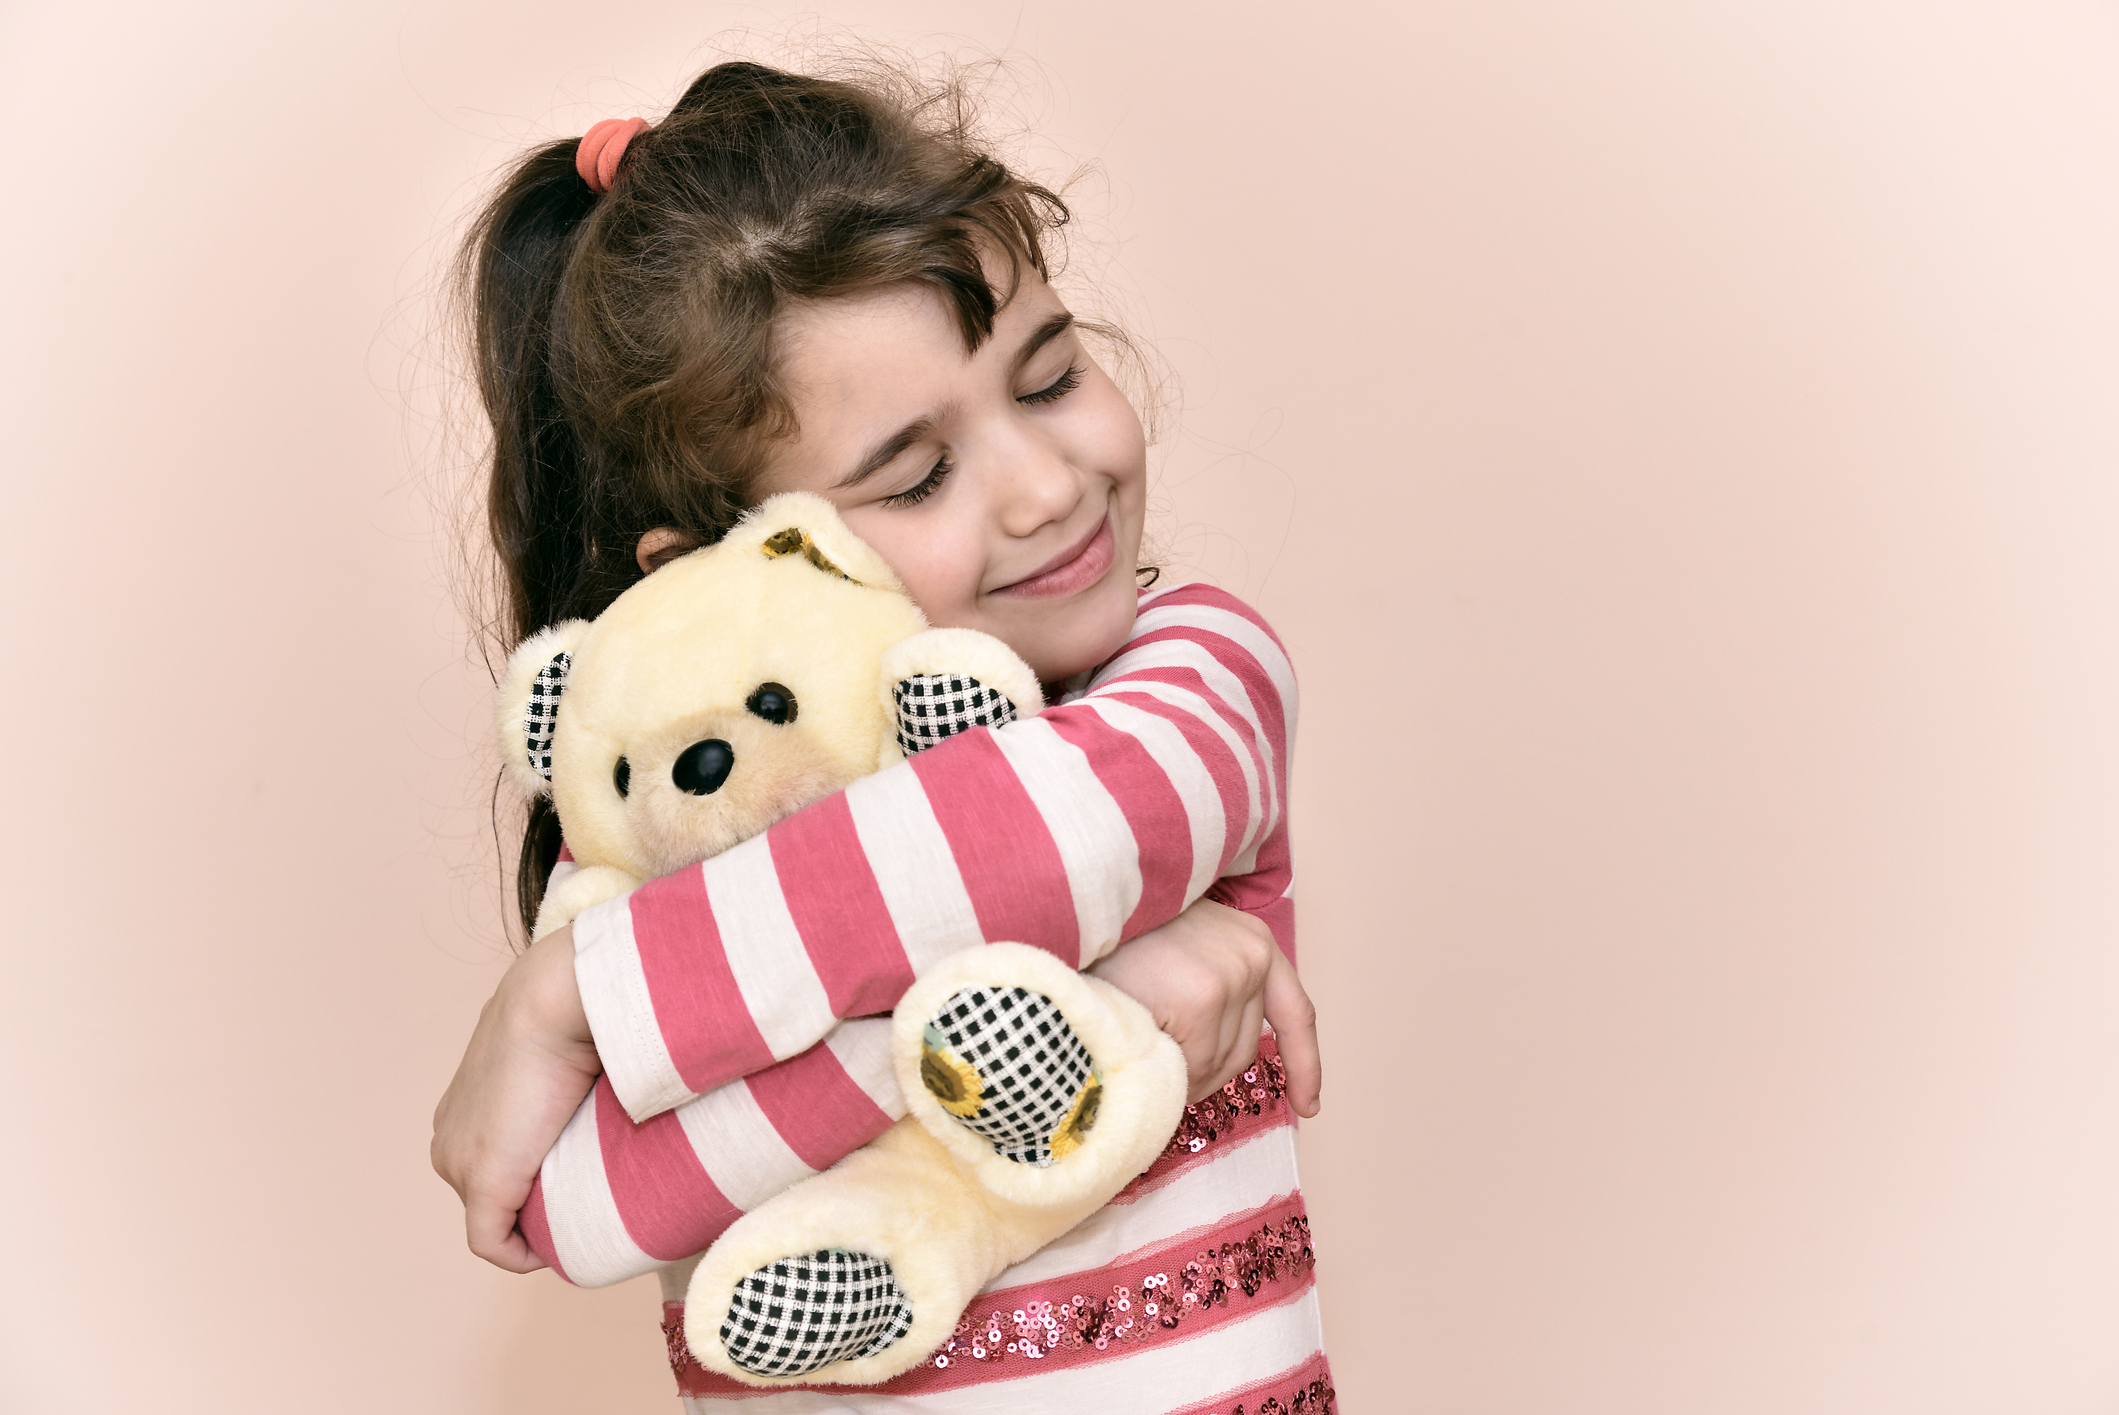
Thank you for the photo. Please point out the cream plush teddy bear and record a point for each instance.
(722, 693)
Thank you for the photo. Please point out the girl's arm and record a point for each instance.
(1072, 831)
(614, 1199)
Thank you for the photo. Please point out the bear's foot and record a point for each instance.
(1048, 1087)
(858, 1273)
(800, 1314)
(1009, 1067)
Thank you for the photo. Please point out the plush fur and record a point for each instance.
(791, 599)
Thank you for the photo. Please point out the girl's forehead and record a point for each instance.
(893, 355)
(821, 341)
(842, 332)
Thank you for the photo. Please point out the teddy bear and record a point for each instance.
(720, 694)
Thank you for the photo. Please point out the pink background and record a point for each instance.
(1677, 441)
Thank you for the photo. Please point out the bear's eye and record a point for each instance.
(774, 703)
(622, 777)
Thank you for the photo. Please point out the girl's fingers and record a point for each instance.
(1294, 1019)
(527, 1066)
(1235, 1043)
(1206, 1050)
(1246, 1049)
(490, 1230)
(1228, 1022)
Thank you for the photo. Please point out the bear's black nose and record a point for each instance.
(703, 766)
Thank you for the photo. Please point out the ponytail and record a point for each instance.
(522, 244)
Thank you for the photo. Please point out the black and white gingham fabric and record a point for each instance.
(1031, 1066)
(802, 1313)
(933, 707)
(542, 715)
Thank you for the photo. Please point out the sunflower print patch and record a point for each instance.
(1007, 1064)
(1081, 1119)
(950, 1080)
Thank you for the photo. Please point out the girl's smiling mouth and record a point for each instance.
(1072, 571)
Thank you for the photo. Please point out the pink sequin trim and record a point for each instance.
(1263, 1085)
(1316, 1398)
(1306, 1390)
(1164, 1301)
(673, 1337)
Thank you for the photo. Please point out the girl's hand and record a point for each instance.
(1207, 977)
(530, 1062)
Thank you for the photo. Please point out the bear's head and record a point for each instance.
(735, 685)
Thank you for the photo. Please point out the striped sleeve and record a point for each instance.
(1072, 831)
(615, 1199)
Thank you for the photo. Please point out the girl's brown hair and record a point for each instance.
(623, 343)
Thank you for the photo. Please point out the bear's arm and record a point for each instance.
(582, 889)
(1098, 820)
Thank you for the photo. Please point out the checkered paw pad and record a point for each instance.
(542, 715)
(1030, 1073)
(933, 707)
(802, 1313)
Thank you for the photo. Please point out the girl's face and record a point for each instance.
(1006, 487)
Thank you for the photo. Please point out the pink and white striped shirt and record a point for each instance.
(717, 995)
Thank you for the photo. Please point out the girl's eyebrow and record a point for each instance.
(886, 451)
(1044, 334)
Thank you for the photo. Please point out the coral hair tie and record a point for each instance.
(601, 147)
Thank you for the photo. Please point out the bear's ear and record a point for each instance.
(527, 707)
(796, 523)
(944, 681)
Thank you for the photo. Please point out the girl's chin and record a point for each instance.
(1099, 622)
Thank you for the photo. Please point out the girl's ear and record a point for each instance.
(797, 523)
(944, 681)
(662, 545)
(527, 706)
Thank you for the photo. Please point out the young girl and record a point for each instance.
(798, 284)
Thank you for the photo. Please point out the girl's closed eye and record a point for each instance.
(927, 486)
(1057, 389)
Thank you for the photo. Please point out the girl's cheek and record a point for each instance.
(941, 569)
(1120, 449)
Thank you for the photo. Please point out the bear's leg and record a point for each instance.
(1035, 1095)
(858, 1273)
(1048, 1087)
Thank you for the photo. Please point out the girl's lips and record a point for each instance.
(1075, 571)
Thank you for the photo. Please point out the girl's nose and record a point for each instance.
(1041, 486)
